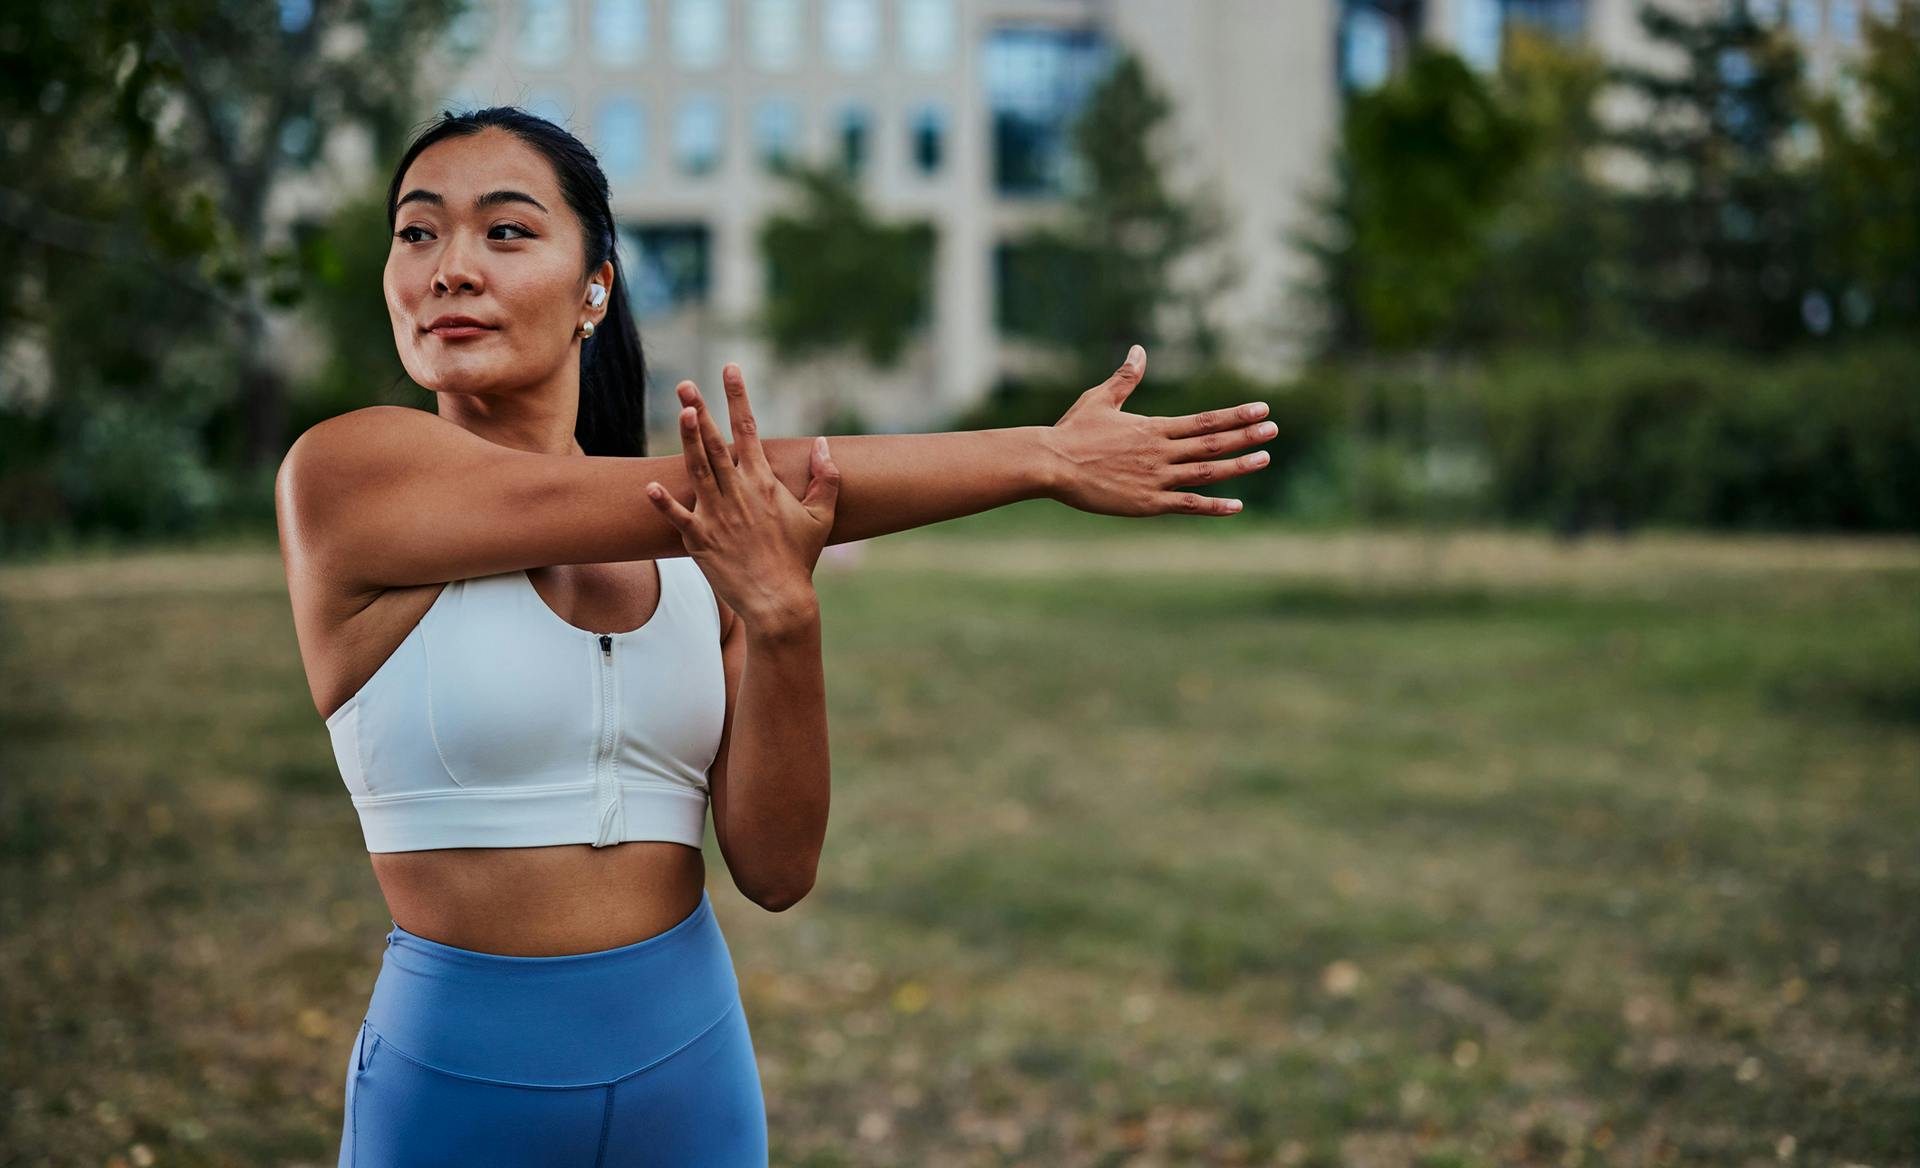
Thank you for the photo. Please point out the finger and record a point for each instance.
(1221, 441)
(1186, 503)
(719, 458)
(1126, 378)
(746, 431)
(699, 466)
(823, 488)
(676, 512)
(1198, 474)
(1208, 421)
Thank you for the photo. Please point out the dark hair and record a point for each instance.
(612, 418)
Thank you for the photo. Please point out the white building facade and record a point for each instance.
(955, 111)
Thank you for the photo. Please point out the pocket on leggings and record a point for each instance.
(407, 1113)
(356, 1063)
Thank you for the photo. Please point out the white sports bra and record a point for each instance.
(498, 724)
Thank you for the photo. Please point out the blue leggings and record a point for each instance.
(637, 1055)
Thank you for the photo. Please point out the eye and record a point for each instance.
(404, 237)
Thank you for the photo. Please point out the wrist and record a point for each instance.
(1046, 464)
(790, 618)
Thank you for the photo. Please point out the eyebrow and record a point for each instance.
(490, 199)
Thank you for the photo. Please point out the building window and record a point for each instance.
(666, 265)
(699, 126)
(776, 130)
(620, 137)
(1843, 17)
(929, 137)
(1563, 19)
(619, 31)
(777, 33)
(545, 30)
(699, 33)
(1477, 29)
(854, 125)
(1367, 49)
(926, 34)
(851, 29)
(1036, 80)
(1375, 36)
(1366, 44)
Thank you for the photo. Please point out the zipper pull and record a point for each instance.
(606, 643)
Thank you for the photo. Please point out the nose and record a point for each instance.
(455, 269)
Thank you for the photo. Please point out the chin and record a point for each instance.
(451, 377)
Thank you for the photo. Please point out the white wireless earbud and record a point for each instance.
(596, 293)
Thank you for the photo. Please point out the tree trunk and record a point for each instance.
(263, 397)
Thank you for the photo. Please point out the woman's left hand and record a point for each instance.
(1132, 464)
(755, 542)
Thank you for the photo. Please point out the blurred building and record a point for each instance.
(956, 111)
(953, 111)
(1376, 34)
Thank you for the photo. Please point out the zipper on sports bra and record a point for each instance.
(606, 786)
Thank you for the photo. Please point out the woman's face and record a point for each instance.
(514, 266)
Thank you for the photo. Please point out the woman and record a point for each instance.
(535, 683)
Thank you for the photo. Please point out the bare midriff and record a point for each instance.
(544, 901)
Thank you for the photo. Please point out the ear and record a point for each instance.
(603, 276)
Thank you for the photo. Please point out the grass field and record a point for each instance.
(1153, 842)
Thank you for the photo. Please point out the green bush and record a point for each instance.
(1698, 438)
(1612, 439)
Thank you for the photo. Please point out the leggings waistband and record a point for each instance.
(570, 1020)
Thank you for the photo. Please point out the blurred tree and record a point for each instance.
(1423, 167)
(1130, 255)
(1868, 266)
(1721, 243)
(837, 276)
(1554, 273)
(346, 258)
(152, 135)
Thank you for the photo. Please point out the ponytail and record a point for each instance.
(613, 374)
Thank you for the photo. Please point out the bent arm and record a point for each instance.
(771, 780)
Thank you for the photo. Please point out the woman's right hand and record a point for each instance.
(756, 543)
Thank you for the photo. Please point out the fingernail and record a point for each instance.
(1234, 505)
(1135, 356)
(1267, 431)
(1257, 410)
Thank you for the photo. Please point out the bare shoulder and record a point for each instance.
(361, 438)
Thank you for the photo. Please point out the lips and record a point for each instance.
(455, 325)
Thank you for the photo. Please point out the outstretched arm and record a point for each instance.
(389, 496)
(1096, 458)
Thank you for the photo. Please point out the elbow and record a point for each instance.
(780, 898)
